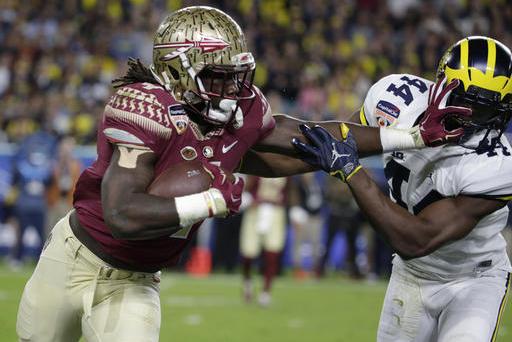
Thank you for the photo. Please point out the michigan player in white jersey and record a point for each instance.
(448, 204)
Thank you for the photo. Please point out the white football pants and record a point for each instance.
(263, 226)
(462, 310)
(73, 293)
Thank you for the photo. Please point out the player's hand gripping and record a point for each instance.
(229, 190)
(432, 126)
(338, 158)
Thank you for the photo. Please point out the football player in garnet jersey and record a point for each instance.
(263, 232)
(448, 204)
(99, 273)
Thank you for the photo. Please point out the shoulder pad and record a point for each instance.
(393, 99)
(487, 176)
(149, 106)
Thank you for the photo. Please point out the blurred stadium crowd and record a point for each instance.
(57, 58)
(315, 59)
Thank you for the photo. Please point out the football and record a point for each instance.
(182, 179)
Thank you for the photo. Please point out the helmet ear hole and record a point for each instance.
(174, 73)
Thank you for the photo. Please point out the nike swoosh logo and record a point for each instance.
(235, 199)
(225, 149)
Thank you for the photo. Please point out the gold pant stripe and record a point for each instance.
(502, 308)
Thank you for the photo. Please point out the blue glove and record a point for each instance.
(338, 158)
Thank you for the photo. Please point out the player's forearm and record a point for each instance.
(272, 165)
(367, 138)
(279, 140)
(407, 234)
(141, 216)
(372, 140)
(287, 128)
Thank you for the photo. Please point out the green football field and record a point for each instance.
(210, 309)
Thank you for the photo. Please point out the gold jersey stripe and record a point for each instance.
(139, 120)
(502, 308)
(362, 117)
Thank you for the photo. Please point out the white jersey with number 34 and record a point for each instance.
(417, 178)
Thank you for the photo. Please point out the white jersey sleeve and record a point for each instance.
(395, 101)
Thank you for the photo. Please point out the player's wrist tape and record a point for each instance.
(393, 139)
(196, 207)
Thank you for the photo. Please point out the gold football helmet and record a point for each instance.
(200, 56)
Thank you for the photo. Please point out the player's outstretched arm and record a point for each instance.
(265, 164)
(288, 128)
(430, 131)
(276, 157)
(410, 235)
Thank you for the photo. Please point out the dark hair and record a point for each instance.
(137, 72)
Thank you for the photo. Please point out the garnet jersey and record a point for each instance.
(150, 117)
(418, 178)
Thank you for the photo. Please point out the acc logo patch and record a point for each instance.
(178, 117)
(188, 153)
(386, 113)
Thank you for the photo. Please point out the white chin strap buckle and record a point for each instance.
(226, 111)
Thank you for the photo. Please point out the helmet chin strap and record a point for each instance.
(239, 118)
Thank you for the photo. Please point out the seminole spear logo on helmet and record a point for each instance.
(206, 44)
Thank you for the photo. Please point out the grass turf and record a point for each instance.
(211, 309)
